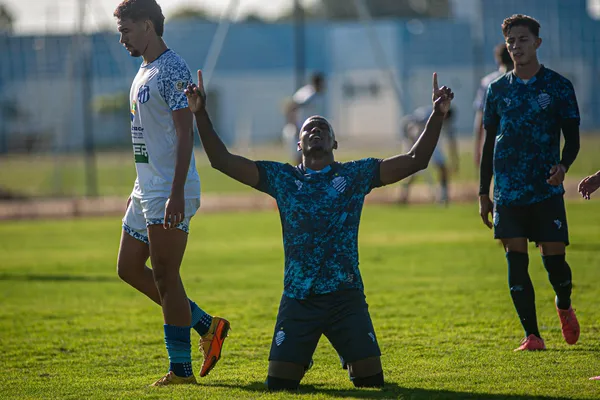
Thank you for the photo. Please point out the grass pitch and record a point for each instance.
(435, 281)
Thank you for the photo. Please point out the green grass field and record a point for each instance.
(42, 175)
(436, 284)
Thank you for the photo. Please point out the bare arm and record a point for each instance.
(237, 167)
(182, 120)
(396, 168)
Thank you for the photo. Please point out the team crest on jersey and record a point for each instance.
(339, 184)
(544, 100)
(507, 101)
(143, 94)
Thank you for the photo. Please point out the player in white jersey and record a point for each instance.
(308, 100)
(166, 193)
(505, 64)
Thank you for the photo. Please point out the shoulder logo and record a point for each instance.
(339, 184)
(544, 100)
(133, 110)
(143, 94)
(180, 86)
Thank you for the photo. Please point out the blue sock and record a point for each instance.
(179, 348)
(200, 320)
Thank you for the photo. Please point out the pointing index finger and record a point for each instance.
(435, 82)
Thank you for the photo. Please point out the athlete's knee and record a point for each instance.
(278, 384)
(552, 248)
(373, 381)
(125, 272)
(366, 373)
(165, 279)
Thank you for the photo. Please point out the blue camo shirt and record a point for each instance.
(320, 214)
(528, 117)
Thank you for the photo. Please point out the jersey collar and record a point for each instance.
(533, 78)
(307, 171)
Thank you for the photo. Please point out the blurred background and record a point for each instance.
(64, 77)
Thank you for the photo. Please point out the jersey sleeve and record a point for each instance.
(490, 111)
(269, 177)
(569, 108)
(172, 82)
(368, 174)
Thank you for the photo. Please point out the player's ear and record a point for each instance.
(538, 43)
(299, 148)
(335, 145)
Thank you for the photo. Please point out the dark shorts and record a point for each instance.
(343, 317)
(541, 222)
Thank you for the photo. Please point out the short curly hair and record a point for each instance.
(137, 10)
(521, 20)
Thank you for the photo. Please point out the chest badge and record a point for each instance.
(339, 184)
(544, 100)
(143, 94)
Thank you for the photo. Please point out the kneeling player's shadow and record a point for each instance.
(391, 390)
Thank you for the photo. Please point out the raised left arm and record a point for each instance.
(398, 167)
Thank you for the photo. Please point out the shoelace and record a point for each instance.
(165, 379)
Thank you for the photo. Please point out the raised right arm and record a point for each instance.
(237, 167)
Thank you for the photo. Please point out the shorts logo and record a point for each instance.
(279, 338)
(143, 94)
(372, 336)
(339, 184)
(496, 218)
(544, 100)
(558, 223)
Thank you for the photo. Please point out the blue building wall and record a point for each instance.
(255, 70)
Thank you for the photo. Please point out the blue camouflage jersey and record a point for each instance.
(528, 116)
(320, 213)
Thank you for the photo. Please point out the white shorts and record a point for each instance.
(142, 213)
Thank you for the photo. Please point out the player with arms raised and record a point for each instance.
(525, 111)
(320, 203)
(166, 194)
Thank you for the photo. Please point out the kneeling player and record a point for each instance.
(320, 203)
